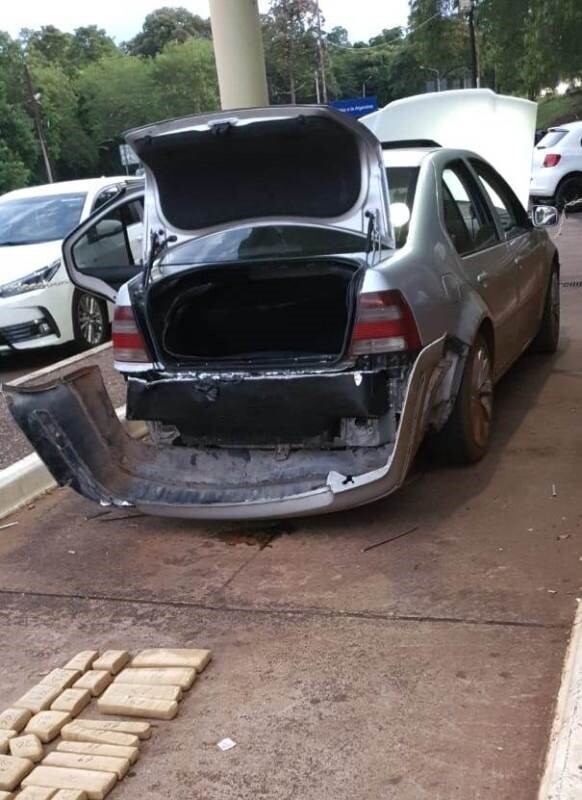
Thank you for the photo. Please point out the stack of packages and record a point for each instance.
(92, 754)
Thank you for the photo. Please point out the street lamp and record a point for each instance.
(436, 72)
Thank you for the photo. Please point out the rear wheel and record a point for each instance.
(90, 320)
(548, 336)
(465, 438)
(568, 191)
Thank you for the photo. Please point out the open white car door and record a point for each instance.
(498, 128)
(106, 250)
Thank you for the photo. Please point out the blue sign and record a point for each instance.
(357, 107)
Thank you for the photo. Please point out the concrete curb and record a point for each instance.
(562, 779)
(28, 479)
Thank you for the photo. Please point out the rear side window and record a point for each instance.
(402, 188)
(466, 217)
(552, 137)
(512, 216)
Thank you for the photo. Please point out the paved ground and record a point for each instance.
(424, 669)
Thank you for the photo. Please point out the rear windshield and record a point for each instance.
(402, 189)
(262, 241)
(552, 137)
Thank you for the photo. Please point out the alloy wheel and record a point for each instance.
(91, 320)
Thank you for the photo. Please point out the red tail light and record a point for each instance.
(384, 324)
(128, 343)
(552, 160)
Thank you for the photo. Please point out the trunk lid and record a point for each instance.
(296, 163)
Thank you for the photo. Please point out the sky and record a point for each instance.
(122, 20)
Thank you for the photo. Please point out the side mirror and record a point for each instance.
(545, 216)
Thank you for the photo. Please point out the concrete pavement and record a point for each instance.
(423, 669)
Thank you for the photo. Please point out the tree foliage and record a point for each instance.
(87, 90)
(166, 26)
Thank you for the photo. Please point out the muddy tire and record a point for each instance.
(570, 189)
(548, 336)
(90, 320)
(466, 436)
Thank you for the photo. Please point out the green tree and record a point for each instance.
(185, 75)
(164, 26)
(48, 45)
(290, 38)
(439, 36)
(89, 44)
(117, 93)
(71, 150)
(18, 151)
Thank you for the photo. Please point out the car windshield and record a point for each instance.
(262, 241)
(45, 218)
(552, 137)
(402, 189)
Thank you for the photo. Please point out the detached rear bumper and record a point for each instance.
(72, 425)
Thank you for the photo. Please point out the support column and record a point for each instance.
(240, 58)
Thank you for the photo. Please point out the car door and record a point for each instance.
(485, 259)
(524, 243)
(106, 250)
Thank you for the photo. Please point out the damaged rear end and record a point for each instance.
(75, 430)
(279, 374)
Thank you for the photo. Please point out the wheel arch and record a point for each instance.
(487, 331)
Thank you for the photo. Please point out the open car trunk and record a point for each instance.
(279, 313)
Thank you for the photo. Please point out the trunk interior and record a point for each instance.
(272, 313)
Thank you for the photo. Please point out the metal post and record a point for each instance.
(476, 79)
(38, 125)
(240, 58)
(321, 49)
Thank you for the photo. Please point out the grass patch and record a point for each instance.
(558, 110)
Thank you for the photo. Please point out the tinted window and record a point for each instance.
(466, 217)
(512, 215)
(113, 241)
(402, 187)
(552, 137)
(262, 241)
(30, 220)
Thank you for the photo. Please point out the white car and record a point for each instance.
(39, 306)
(557, 166)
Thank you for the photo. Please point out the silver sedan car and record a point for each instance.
(311, 302)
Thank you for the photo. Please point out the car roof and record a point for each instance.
(69, 187)
(407, 156)
(567, 126)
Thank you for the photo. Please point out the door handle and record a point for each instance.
(482, 277)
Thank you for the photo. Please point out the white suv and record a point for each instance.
(557, 166)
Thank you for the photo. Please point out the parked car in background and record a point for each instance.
(39, 306)
(313, 302)
(557, 166)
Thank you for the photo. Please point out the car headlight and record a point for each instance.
(36, 280)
